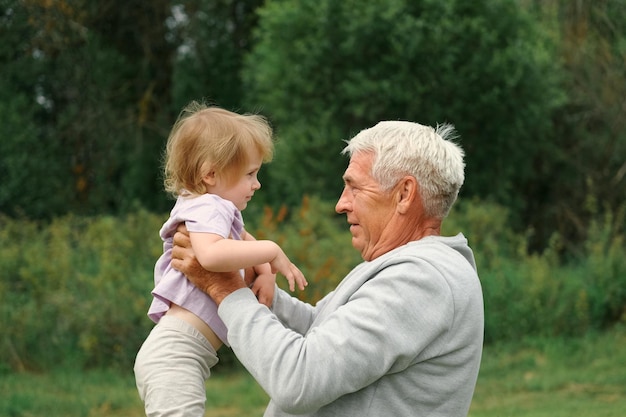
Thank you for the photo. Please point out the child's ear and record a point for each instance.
(209, 178)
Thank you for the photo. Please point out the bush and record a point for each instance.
(528, 293)
(76, 290)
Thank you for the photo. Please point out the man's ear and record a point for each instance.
(407, 191)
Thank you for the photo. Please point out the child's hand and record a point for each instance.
(282, 264)
(263, 287)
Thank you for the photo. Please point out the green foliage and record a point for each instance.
(531, 293)
(79, 135)
(76, 290)
(605, 282)
(32, 181)
(342, 66)
(214, 37)
(590, 127)
(89, 91)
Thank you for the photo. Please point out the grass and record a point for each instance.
(533, 378)
(554, 378)
(68, 393)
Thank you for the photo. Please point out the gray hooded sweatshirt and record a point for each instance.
(400, 336)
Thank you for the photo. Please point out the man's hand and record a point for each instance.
(218, 285)
(263, 287)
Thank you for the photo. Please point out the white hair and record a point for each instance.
(405, 148)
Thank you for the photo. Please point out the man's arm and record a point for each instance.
(218, 285)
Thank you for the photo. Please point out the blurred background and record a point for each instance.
(90, 89)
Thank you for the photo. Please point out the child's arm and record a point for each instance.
(222, 255)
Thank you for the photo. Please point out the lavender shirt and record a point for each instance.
(207, 213)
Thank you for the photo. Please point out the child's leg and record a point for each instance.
(171, 368)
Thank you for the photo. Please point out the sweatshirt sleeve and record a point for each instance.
(292, 312)
(391, 321)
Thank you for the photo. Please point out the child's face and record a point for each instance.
(240, 189)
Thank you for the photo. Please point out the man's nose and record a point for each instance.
(342, 203)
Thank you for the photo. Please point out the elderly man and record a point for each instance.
(402, 334)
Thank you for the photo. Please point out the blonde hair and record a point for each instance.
(206, 138)
(428, 154)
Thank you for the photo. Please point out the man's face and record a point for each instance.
(369, 209)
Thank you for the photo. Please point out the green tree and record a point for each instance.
(214, 36)
(139, 34)
(32, 181)
(323, 70)
(87, 117)
(91, 89)
(591, 127)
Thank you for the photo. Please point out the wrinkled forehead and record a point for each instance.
(359, 166)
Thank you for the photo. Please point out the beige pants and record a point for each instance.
(171, 368)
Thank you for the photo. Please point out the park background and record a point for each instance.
(89, 91)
